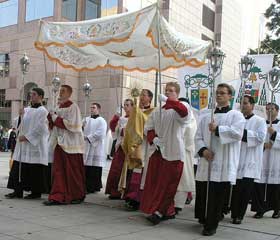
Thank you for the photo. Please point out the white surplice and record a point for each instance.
(35, 129)
(271, 159)
(71, 139)
(251, 153)
(187, 182)
(226, 147)
(95, 132)
(119, 131)
(108, 142)
(169, 128)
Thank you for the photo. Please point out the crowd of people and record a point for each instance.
(152, 169)
(7, 139)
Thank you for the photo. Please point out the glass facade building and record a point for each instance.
(8, 13)
(200, 19)
(36, 9)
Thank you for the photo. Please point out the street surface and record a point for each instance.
(100, 218)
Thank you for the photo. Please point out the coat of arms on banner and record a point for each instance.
(199, 98)
(252, 89)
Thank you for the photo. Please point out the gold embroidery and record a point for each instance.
(188, 62)
(125, 54)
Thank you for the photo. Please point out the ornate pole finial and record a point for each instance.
(24, 63)
(87, 88)
(135, 93)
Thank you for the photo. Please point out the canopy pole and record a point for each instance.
(156, 89)
(24, 63)
(159, 57)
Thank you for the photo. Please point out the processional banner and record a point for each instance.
(196, 84)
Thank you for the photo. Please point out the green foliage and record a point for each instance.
(273, 14)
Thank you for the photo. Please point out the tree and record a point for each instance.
(273, 13)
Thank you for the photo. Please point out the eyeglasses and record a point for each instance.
(221, 93)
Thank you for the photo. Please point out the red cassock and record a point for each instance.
(133, 191)
(68, 177)
(115, 174)
(163, 176)
(68, 172)
(116, 165)
(161, 185)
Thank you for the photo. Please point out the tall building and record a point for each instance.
(204, 19)
(254, 30)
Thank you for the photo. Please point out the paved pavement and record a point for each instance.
(100, 218)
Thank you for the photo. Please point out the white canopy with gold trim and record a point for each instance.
(125, 41)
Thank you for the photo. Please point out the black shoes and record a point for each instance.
(208, 232)
(114, 197)
(164, 218)
(52, 203)
(236, 221)
(14, 195)
(258, 215)
(130, 207)
(276, 214)
(33, 196)
(189, 200)
(177, 210)
(154, 219)
(20, 195)
(77, 201)
(201, 221)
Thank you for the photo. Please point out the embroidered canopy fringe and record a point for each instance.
(125, 41)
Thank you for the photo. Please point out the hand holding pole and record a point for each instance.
(215, 63)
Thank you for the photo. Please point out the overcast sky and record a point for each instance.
(253, 22)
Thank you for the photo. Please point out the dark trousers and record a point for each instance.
(93, 179)
(272, 198)
(241, 195)
(33, 178)
(216, 198)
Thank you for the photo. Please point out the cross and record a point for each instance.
(203, 97)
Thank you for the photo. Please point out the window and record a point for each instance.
(36, 9)
(109, 7)
(4, 65)
(208, 18)
(8, 13)
(92, 9)
(3, 102)
(69, 9)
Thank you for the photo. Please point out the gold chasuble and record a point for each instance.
(132, 142)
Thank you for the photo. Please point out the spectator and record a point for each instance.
(5, 139)
(12, 144)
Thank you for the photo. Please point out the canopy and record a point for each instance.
(125, 41)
